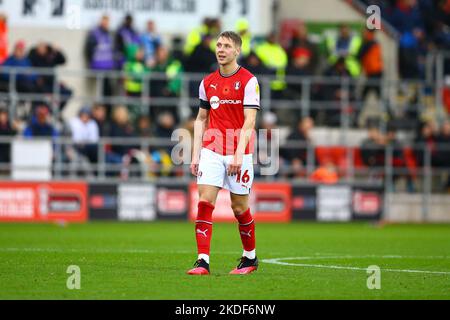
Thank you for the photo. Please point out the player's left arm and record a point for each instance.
(251, 107)
(244, 138)
(247, 130)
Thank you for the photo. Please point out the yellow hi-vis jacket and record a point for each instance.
(351, 61)
(273, 56)
(194, 38)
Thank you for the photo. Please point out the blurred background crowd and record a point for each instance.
(290, 51)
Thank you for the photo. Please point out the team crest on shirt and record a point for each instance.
(237, 85)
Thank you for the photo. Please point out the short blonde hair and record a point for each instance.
(233, 36)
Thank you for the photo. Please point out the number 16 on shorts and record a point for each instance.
(213, 168)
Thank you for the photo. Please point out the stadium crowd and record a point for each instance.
(347, 53)
(423, 26)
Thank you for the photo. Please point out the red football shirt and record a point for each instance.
(226, 97)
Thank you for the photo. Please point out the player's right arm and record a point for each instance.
(199, 129)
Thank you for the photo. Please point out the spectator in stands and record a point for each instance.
(99, 115)
(371, 59)
(299, 66)
(202, 59)
(164, 63)
(428, 11)
(126, 35)
(194, 38)
(300, 63)
(301, 46)
(144, 127)
(406, 16)
(40, 124)
(443, 11)
(398, 158)
(44, 55)
(200, 39)
(339, 69)
(425, 138)
(334, 93)
(150, 41)
(7, 129)
(254, 64)
(120, 152)
(121, 127)
(99, 52)
(409, 55)
(275, 58)
(3, 38)
(99, 47)
(441, 36)
(25, 82)
(182, 155)
(138, 162)
(443, 148)
(161, 156)
(85, 134)
(372, 151)
(170, 85)
(215, 29)
(189, 126)
(243, 29)
(397, 148)
(177, 49)
(407, 19)
(442, 32)
(296, 156)
(135, 71)
(165, 126)
(345, 46)
(326, 173)
(268, 124)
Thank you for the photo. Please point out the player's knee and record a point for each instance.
(238, 209)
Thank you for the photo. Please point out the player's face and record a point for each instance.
(226, 51)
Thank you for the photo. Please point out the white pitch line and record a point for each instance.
(59, 250)
(277, 261)
(391, 256)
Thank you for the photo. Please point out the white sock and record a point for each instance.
(204, 257)
(249, 254)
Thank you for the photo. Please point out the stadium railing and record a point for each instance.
(300, 104)
(347, 161)
(304, 95)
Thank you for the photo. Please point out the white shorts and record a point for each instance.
(212, 170)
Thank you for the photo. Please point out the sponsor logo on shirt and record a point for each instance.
(215, 102)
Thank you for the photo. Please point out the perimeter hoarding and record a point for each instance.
(367, 203)
(269, 202)
(43, 201)
(103, 201)
(304, 202)
(172, 202)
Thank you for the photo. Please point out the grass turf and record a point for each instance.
(149, 261)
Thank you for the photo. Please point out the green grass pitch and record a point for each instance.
(149, 261)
